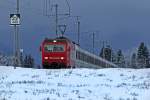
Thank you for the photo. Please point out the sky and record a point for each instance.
(122, 23)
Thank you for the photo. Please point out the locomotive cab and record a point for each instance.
(55, 53)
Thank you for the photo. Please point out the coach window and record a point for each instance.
(76, 55)
(105, 65)
(99, 63)
(88, 59)
(102, 63)
(79, 55)
(96, 61)
(82, 56)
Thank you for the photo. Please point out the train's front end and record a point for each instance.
(54, 53)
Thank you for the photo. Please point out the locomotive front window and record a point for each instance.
(54, 48)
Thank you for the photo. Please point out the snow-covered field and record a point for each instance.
(74, 84)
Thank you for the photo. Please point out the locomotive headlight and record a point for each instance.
(54, 41)
(61, 58)
(46, 58)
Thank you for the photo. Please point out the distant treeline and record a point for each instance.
(139, 59)
(25, 60)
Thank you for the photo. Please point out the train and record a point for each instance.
(61, 52)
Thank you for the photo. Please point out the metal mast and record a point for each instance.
(93, 42)
(56, 8)
(104, 43)
(16, 40)
(103, 49)
(78, 21)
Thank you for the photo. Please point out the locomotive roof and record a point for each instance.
(58, 39)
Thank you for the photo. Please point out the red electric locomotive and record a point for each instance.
(63, 53)
(57, 53)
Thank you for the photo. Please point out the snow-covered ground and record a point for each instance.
(74, 84)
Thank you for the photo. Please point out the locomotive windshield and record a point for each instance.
(54, 48)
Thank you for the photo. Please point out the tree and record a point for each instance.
(113, 57)
(25, 63)
(106, 53)
(31, 61)
(143, 56)
(146, 55)
(134, 61)
(6, 60)
(120, 61)
(28, 61)
(21, 58)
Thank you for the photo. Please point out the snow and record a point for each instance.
(74, 84)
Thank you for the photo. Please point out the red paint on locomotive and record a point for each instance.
(56, 53)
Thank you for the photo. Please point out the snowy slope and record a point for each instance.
(74, 84)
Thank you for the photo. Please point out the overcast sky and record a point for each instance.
(123, 23)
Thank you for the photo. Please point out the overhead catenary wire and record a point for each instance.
(49, 6)
(69, 13)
